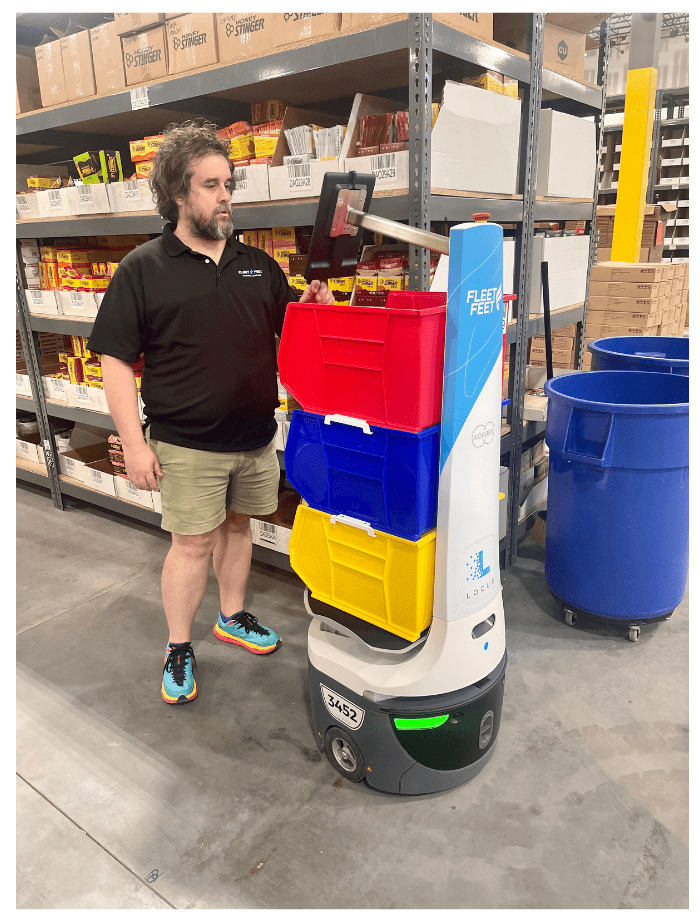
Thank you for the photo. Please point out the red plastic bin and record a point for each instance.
(382, 365)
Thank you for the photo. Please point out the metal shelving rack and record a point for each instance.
(418, 50)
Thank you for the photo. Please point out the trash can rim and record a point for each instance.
(676, 408)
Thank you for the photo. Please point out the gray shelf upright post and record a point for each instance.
(420, 98)
(529, 142)
(603, 58)
(655, 147)
(34, 369)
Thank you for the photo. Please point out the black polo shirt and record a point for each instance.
(208, 336)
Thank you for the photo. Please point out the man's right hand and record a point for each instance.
(142, 467)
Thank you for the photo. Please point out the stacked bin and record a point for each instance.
(364, 454)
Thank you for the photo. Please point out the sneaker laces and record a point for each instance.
(250, 623)
(176, 662)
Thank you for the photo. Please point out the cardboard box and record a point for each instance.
(628, 272)
(41, 301)
(480, 25)
(77, 65)
(252, 184)
(241, 36)
(52, 83)
(566, 159)
(99, 167)
(54, 203)
(294, 29)
(26, 206)
(27, 89)
(129, 492)
(72, 463)
(145, 56)
(130, 196)
(295, 181)
(131, 22)
(28, 448)
(359, 22)
(107, 59)
(456, 162)
(88, 200)
(98, 476)
(624, 289)
(191, 42)
(567, 259)
(622, 319)
(638, 305)
(611, 330)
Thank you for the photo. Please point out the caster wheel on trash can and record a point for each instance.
(570, 617)
(633, 634)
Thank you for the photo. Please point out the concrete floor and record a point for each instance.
(124, 802)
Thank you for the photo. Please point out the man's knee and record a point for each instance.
(236, 522)
(200, 546)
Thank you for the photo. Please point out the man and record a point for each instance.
(204, 310)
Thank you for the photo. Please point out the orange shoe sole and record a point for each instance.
(253, 649)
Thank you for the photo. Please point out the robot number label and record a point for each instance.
(342, 709)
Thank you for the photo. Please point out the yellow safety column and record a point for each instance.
(637, 129)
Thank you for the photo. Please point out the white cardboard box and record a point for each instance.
(27, 206)
(54, 203)
(536, 496)
(55, 389)
(297, 181)
(129, 492)
(567, 259)
(73, 462)
(42, 301)
(30, 253)
(271, 535)
(157, 501)
(97, 400)
(474, 142)
(130, 196)
(24, 386)
(76, 304)
(566, 158)
(251, 184)
(99, 477)
(27, 450)
(89, 199)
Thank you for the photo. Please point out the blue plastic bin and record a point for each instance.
(387, 478)
(617, 509)
(641, 354)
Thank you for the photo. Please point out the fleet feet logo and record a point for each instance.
(475, 567)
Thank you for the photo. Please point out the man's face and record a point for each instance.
(207, 207)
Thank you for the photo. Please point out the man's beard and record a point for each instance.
(212, 230)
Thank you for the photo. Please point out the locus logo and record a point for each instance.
(563, 50)
(475, 566)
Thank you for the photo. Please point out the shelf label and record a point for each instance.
(131, 189)
(55, 198)
(20, 381)
(37, 298)
(268, 533)
(383, 166)
(240, 177)
(22, 204)
(139, 98)
(85, 194)
(299, 175)
(82, 393)
(76, 299)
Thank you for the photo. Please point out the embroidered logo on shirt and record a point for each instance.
(250, 272)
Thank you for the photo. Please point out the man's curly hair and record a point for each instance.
(173, 167)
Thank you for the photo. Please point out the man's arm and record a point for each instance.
(120, 390)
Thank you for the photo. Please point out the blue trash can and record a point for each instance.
(641, 354)
(388, 478)
(617, 509)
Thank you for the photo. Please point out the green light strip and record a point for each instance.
(432, 722)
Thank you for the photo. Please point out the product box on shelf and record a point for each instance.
(295, 181)
(242, 36)
(99, 167)
(251, 184)
(26, 206)
(129, 492)
(191, 42)
(88, 199)
(28, 448)
(360, 22)
(567, 260)
(130, 22)
(130, 196)
(27, 89)
(107, 59)
(76, 304)
(41, 301)
(54, 203)
(457, 162)
(77, 65)
(99, 477)
(480, 25)
(72, 463)
(629, 272)
(293, 29)
(566, 158)
(145, 56)
(157, 501)
(49, 62)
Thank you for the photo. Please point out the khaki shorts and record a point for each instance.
(198, 487)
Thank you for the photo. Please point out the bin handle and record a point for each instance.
(604, 460)
(351, 521)
(350, 421)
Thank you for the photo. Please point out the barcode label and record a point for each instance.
(76, 299)
(139, 98)
(268, 533)
(240, 178)
(132, 489)
(85, 194)
(96, 476)
(58, 387)
(20, 380)
(24, 446)
(22, 204)
(55, 199)
(38, 298)
(83, 392)
(383, 166)
(299, 175)
(131, 189)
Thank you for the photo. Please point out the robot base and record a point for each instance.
(408, 745)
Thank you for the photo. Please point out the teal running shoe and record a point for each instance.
(179, 685)
(244, 629)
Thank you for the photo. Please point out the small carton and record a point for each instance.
(41, 301)
(129, 492)
(54, 203)
(145, 56)
(480, 25)
(130, 196)
(628, 272)
(99, 477)
(28, 448)
(251, 184)
(77, 65)
(28, 91)
(52, 83)
(293, 29)
(107, 59)
(191, 42)
(131, 22)
(73, 462)
(99, 167)
(241, 36)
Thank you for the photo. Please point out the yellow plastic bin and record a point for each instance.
(386, 580)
